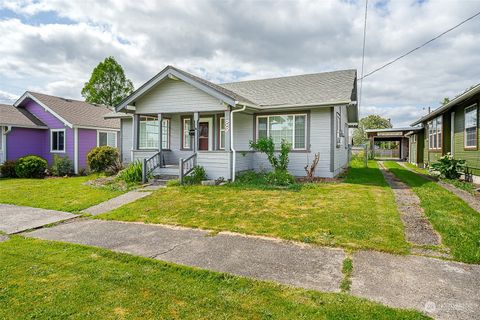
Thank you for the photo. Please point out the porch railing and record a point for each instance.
(150, 164)
(186, 166)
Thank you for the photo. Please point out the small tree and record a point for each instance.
(267, 146)
(372, 121)
(108, 84)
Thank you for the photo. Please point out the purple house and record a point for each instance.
(45, 125)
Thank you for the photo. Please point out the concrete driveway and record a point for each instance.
(14, 219)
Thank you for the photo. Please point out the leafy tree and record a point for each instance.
(108, 84)
(267, 146)
(372, 121)
(445, 101)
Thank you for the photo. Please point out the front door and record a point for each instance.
(203, 132)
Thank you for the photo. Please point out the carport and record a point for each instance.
(396, 142)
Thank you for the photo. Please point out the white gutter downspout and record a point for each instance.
(234, 154)
(9, 128)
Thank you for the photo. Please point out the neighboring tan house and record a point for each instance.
(43, 125)
(452, 128)
(177, 120)
(405, 138)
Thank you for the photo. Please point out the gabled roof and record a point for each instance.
(72, 112)
(395, 129)
(328, 88)
(308, 89)
(464, 96)
(11, 116)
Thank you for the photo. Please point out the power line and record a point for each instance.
(363, 56)
(421, 46)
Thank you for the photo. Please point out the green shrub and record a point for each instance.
(7, 169)
(100, 158)
(31, 167)
(449, 167)
(197, 175)
(251, 177)
(115, 168)
(62, 166)
(279, 178)
(132, 173)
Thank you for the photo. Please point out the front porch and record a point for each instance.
(186, 140)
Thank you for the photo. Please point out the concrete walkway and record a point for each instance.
(418, 229)
(14, 219)
(116, 202)
(266, 259)
(439, 288)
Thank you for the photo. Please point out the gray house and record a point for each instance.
(177, 120)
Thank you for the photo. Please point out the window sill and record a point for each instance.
(55, 151)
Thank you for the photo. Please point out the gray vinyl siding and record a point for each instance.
(243, 130)
(216, 163)
(177, 96)
(341, 153)
(244, 161)
(126, 140)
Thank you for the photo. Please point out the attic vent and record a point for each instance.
(67, 100)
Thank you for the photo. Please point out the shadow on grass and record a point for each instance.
(370, 175)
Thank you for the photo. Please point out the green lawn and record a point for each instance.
(457, 223)
(49, 280)
(64, 194)
(357, 213)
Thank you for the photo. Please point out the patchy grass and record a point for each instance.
(347, 269)
(359, 213)
(457, 223)
(463, 185)
(417, 169)
(63, 194)
(49, 280)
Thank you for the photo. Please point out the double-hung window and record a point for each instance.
(435, 133)
(186, 138)
(148, 133)
(107, 138)
(57, 140)
(292, 128)
(222, 133)
(471, 127)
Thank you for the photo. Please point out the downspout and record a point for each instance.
(234, 152)
(9, 128)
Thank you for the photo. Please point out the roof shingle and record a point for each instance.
(11, 116)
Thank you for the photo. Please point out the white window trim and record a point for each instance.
(64, 141)
(285, 115)
(183, 134)
(107, 132)
(473, 106)
(220, 133)
(139, 127)
(435, 134)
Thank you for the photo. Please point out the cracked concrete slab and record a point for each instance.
(116, 202)
(439, 288)
(303, 266)
(14, 219)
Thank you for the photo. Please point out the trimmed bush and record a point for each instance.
(101, 158)
(62, 166)
(31, 167)
(7, 169)
(197, 176)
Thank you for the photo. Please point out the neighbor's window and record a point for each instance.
(435, 133)
(57, 140)
(107, 138)
(148, 137)
(186, 138)
(222, 132)
(292, 128)
(471, 127)
(339, 130)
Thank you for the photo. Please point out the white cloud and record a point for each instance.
(7, 97)
(235, 40)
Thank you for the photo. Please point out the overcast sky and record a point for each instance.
(52, 46)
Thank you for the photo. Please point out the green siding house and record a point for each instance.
(452, 128)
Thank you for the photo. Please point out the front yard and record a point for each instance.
(48, 280)
(357, 213)
(63, 194)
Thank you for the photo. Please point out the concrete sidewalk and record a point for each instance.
(14, 219)
(439, 288)
(117, 202)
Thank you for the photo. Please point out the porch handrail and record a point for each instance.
(185, 166)
(150, 164)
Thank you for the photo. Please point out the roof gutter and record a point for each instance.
(325, 104)
(234, 152)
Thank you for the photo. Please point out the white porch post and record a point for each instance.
(228, 132)
(160, 121)
(135, 131)
(195, 126)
